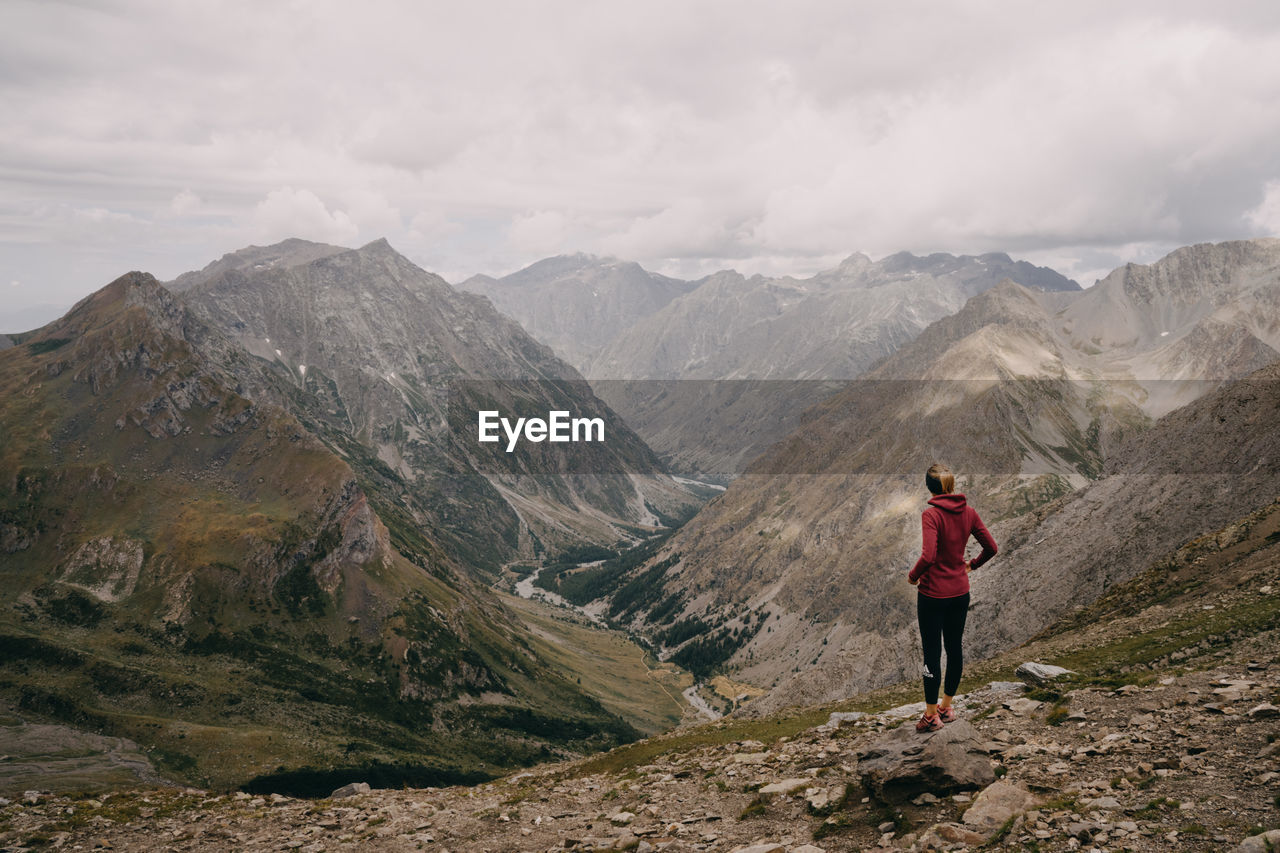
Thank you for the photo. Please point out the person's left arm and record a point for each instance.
(979, 531)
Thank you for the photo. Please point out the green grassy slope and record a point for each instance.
(191, 569)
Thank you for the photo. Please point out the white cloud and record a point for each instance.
(689, 227)
(1265, 218)
(184, 202)
(289, 212)
(764, 136)
(539, 233)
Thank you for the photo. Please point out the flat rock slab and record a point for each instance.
(904, 763)
(787, 786)
(915, 709)
(1022, 706)
(1003, 686)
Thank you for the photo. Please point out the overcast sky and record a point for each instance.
(689, 136)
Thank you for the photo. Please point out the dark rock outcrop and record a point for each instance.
(905, 763)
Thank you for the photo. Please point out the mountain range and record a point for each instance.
(238, 528)
(785, 342)
(244, 522)
(1068, 415)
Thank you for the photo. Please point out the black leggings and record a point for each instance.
(941, 623)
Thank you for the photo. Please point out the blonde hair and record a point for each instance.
(940, 480)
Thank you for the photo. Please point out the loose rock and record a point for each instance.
(997, 803)
(350, 790)
(1041, 673)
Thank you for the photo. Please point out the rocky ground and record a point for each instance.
(1187, 762)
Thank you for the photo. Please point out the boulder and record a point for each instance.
(840, 719)
(904, 763)
(1041, 673)
(350, 790)
(817, 799)
(1263, 842)
(997, 803)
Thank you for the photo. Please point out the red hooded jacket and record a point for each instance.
(948, 523)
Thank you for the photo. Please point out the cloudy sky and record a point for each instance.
(690, 136)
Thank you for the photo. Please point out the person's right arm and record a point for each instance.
(928, 548)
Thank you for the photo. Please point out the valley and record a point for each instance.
(1053, 412)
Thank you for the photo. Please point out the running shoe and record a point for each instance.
(948, 714)
(929, 723)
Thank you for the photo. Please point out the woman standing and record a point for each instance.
(942, 601)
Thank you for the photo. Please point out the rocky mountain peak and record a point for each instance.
(1140, 306)
(106, 305)
(553, 267)
(378, 247)
(578, 304)
(382, 351)
(850, 268)
(287, 253)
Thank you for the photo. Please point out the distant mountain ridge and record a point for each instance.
(578, 304)
(832, 325)
(798, 333)
(1031, 397)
